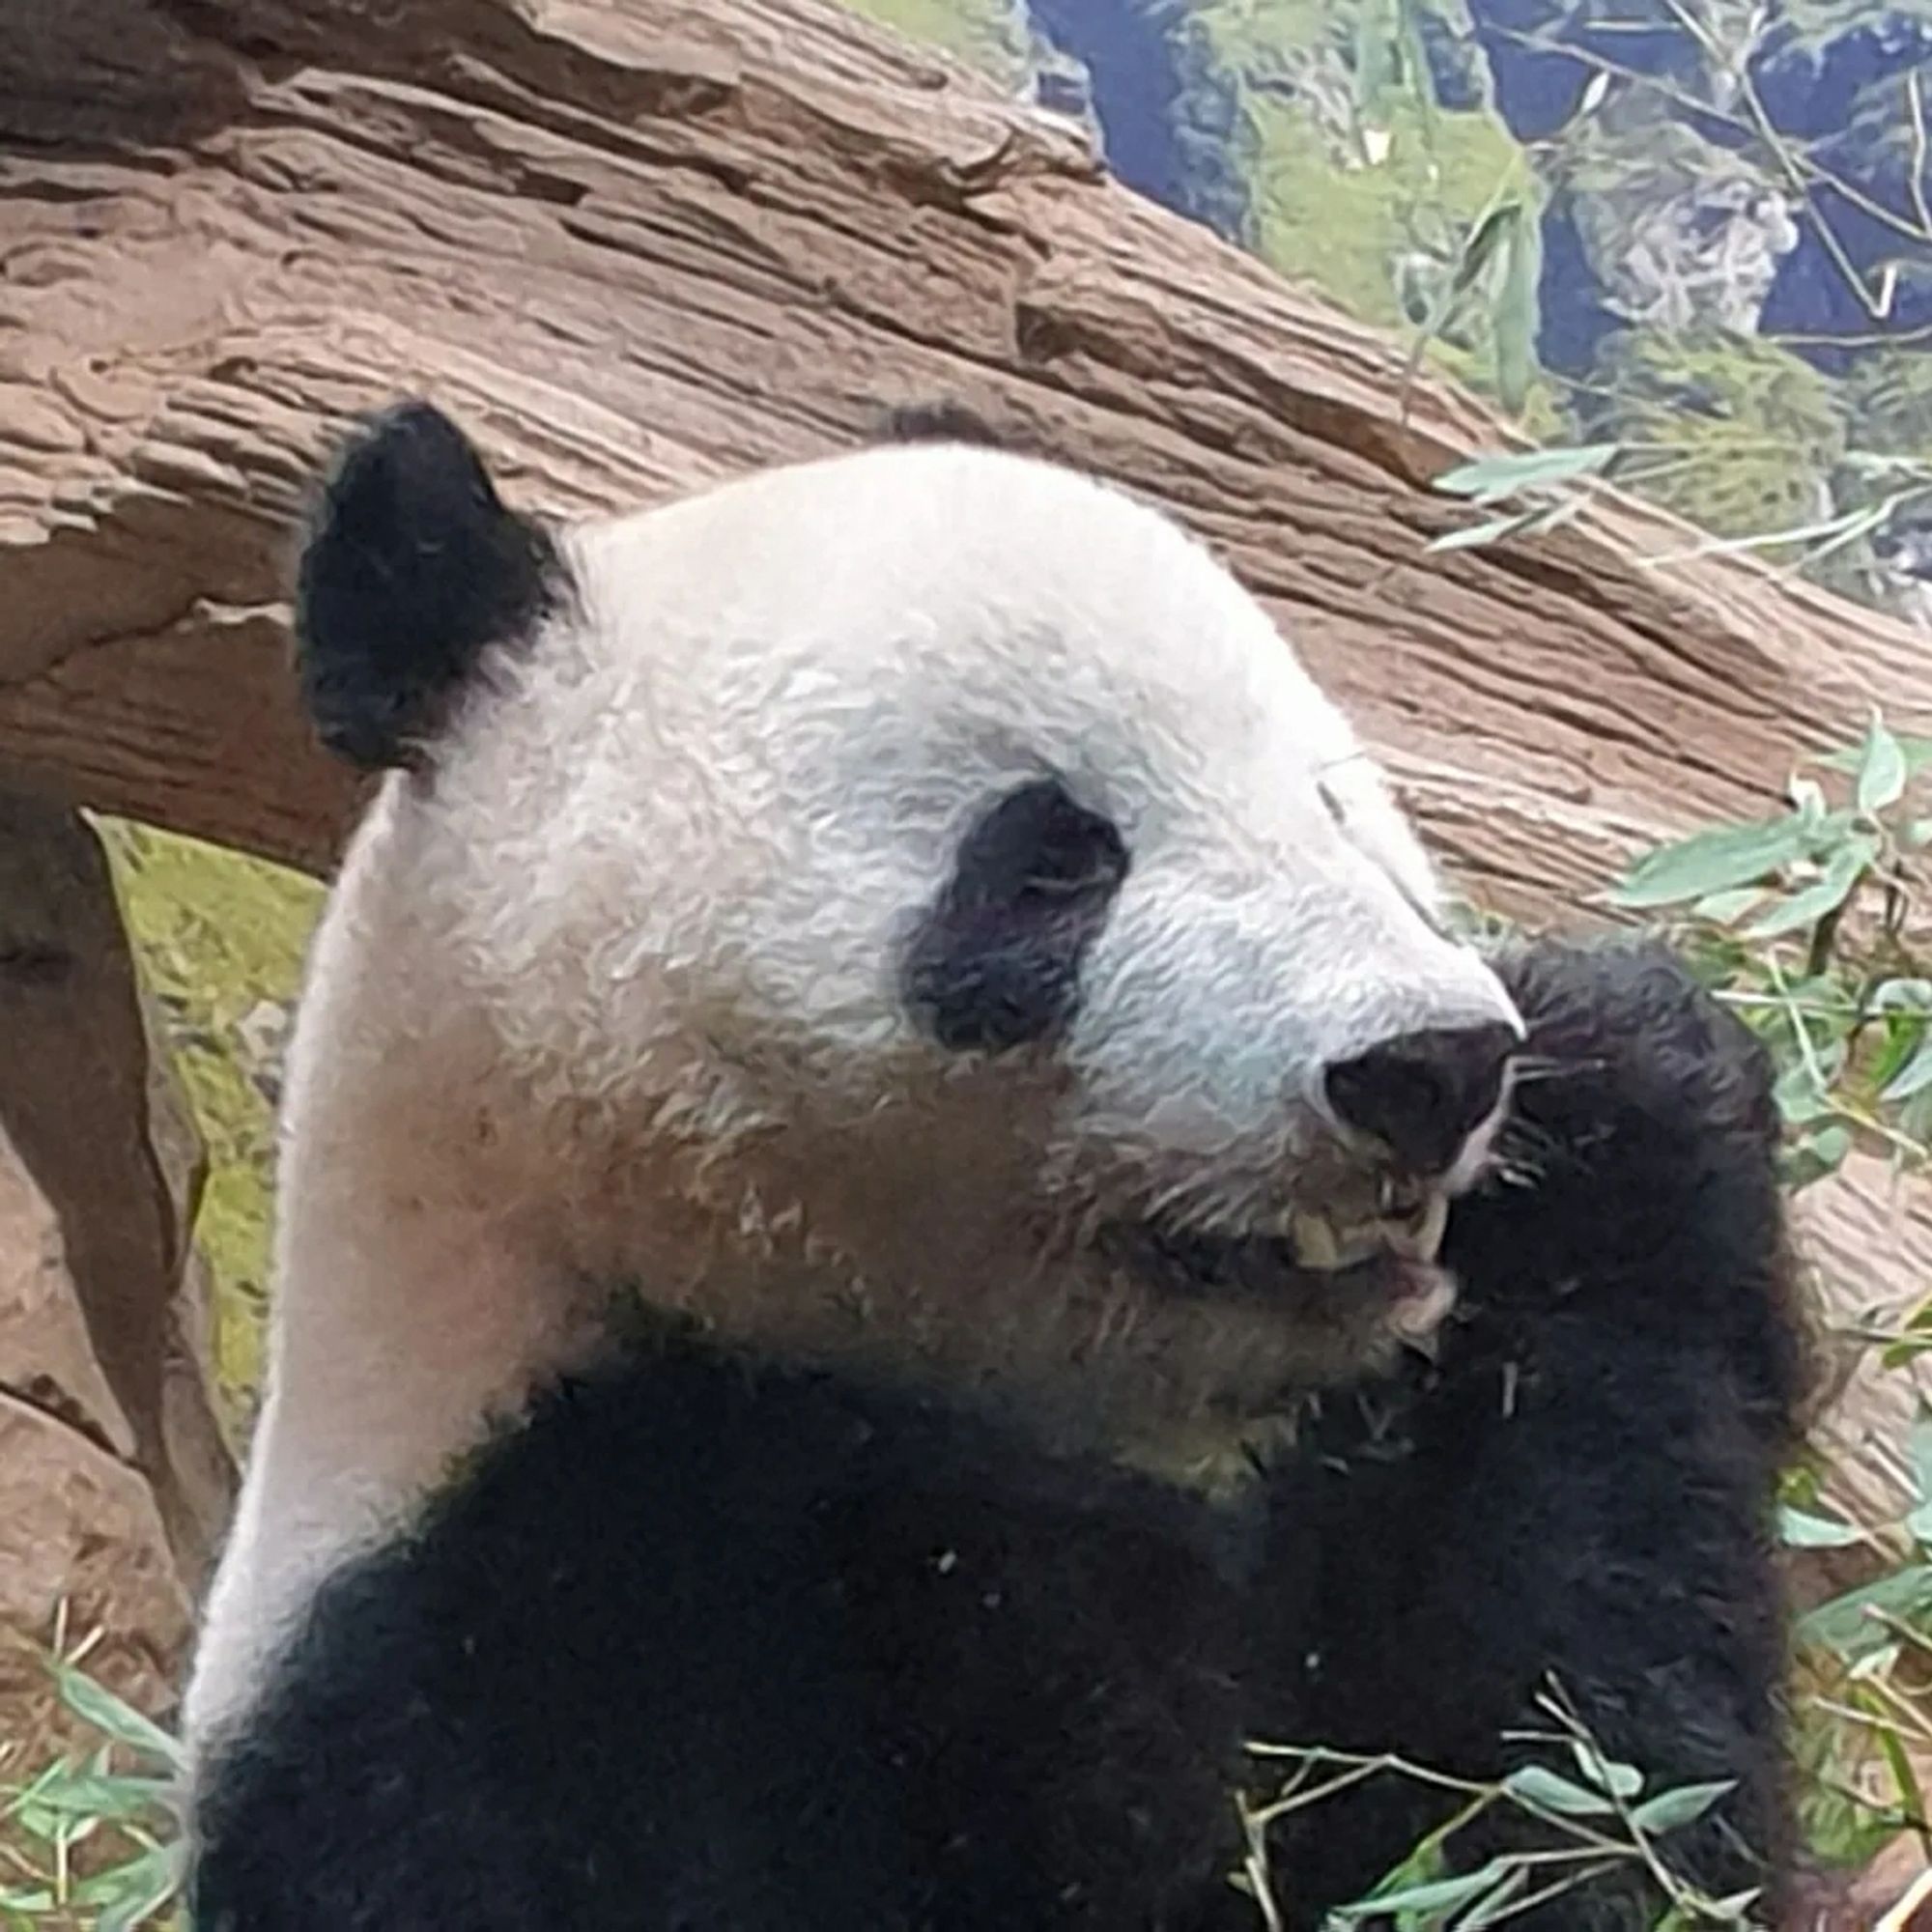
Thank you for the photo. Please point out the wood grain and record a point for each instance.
(639, 246)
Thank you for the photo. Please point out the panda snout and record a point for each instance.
(1423, 1094)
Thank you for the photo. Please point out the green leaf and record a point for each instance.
(1915, 1075)
(1713, 861)
(94, 1794)
(1565, 510)
(1912, 996)
(1918, 1523)
(1544, 1790)
(1670, 1810)
(1522, 522)
(1477, 535)
(1875, 1664)
(1915, 1117)
(1799, 1097)
(1725, 908)
(1488, 478)
(1847, 865)
(1915, 751)
(1882, 770)
(1843, 529)
(99, 1707)
(1904, 1777)
(140, 1889)
(1730, 1910)
(1436, 1895)
(1419, 75)
(1898, 1041)
(1802, 1530)
(1375, 66)
(1483, 244)
(1845, 1626)
(1516, 316)
(1818, 1154)
(1498, 1905)
(1606, 1773)
(1807, 800)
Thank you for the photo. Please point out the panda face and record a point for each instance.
(925, 872)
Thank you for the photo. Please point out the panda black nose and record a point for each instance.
(1424, 1093)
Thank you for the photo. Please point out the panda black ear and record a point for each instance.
(411, 567)
(943, 420)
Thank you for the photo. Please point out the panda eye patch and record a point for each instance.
(996, 960)
(1037, 844)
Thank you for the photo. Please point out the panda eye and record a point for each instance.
(1037, 845)
(995, 962)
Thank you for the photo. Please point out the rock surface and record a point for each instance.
(82, 1544)
(114, 1477)
(638, 248)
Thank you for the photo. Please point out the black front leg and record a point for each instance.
(1581, 1492)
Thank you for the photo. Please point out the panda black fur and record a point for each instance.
(784, 1594)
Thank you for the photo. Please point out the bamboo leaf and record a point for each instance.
(1713, 861)
(1436, 1895)
(1516, 316)
(1543, 1790)
(1375, 66)
(1845, 1624)
(1477, 535)
(99, 1707)
(1916, 1077)
(1801, 1531)
(1846, 867)
(1483, 244)
(1882, 770)
(1487, 479)
(1671, 1810)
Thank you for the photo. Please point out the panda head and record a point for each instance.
(909, 901)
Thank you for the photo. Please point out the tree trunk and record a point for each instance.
(639, 246)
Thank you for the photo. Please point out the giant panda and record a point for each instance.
(867, 1001)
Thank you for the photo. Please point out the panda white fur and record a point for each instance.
(863, 993)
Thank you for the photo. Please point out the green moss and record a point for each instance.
(1342, 227)
(1340, 193)
(1889, 397)
(220, 938)
(1749, 431)
(982, 33)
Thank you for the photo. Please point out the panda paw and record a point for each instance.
(1623, 1035)
(1639, 1157)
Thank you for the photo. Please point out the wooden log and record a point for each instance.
(636, 247)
